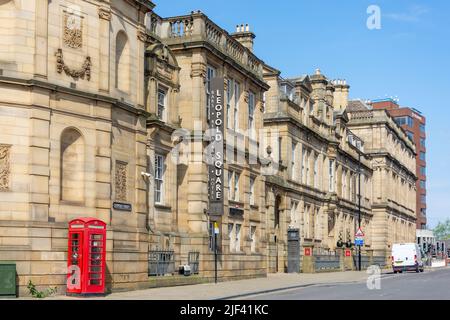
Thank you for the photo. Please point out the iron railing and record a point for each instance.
(327, 262)
(380, 261)
(161, 262)
(193, 261)
(365, 262)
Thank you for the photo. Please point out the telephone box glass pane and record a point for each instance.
(95, 276)
(95, 269)
(75, 248)
(95, 282)
(97, 244)
(96, 262)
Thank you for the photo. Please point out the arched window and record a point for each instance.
(122, 62)
(276, 222)
(72, 166)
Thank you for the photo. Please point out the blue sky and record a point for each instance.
(408, 57)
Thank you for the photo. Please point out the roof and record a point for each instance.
(300, 78)
(357, 105)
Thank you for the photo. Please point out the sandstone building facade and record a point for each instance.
(73, 122)
(315, 187)
(393, 157)
(104, 111)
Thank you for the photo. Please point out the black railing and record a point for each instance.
(161, 262)
(327, 262)
(193, 261)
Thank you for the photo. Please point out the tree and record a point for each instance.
(442, 230)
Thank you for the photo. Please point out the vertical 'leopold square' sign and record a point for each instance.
(216, 165)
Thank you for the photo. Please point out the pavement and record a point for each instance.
(332, 286)
(238, 289)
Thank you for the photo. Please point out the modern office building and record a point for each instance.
(414, 124)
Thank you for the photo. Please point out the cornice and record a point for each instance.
(56, 88)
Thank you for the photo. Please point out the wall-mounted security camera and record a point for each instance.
(146, 174)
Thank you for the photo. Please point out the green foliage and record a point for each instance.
(40, 294)
(442, 230)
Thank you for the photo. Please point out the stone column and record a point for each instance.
(104, 47)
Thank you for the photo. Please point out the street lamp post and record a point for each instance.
(359, 205)
(358, 146)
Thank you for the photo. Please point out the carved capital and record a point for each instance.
(104, 13)
(246, 94)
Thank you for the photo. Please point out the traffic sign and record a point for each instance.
(359, 242)
(216, 228)
(359, 233)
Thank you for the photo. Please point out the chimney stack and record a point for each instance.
(244, 36)
(341, 90)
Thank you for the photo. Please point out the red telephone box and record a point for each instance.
(86, 257)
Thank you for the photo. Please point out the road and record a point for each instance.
(430, 285)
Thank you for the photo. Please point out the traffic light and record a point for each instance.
(424, 245)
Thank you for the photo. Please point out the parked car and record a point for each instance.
(407, 257)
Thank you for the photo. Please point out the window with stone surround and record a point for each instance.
(237, 96)
(252, 191)
(253, 238)
(331, 173)
(229, 101)
(210, 74)
(233, 185)
(159, 178)
(294, 213)
(251, 114)
(237, 241)
(162, 103)
(316, 170)
(293, 161)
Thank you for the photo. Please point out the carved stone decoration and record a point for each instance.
(73, 31)
(4, 167)
(246, 94)
(85, 70)
(104, 13)
(142, 36)
(121, 181)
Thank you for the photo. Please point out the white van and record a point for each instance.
(407, 257)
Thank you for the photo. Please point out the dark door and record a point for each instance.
(293, 251)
